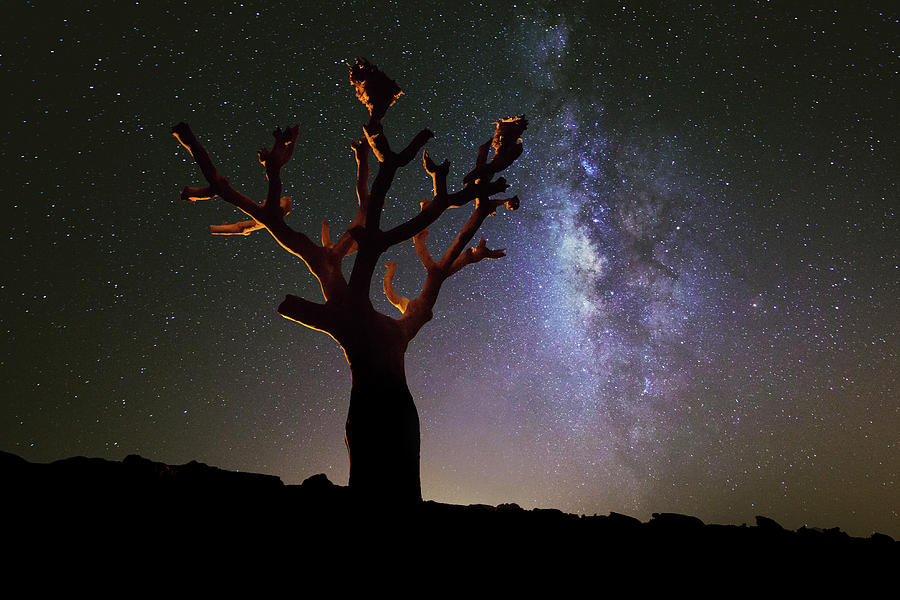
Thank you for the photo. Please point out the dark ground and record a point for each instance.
(137, 509)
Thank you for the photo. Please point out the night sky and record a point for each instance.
(698, 311)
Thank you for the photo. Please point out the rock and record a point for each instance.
(768, 524)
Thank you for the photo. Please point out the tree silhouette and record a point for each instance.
(382, 430)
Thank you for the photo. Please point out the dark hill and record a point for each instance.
(87, 505)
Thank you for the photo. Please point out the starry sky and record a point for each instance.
(698, 311)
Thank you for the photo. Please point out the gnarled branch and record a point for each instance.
(475, 254)
(364, 234)
(507, 147)
(419, 311)
(431, 211)
(270, 215)
(388, 284)
(218, 184)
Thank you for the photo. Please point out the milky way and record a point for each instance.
(698, 308)
(631, 261)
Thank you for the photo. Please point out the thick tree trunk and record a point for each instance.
(382, 431)
(382, 435)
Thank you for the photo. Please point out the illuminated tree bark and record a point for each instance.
(382, 430)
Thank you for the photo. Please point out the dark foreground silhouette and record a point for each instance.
(131, 506)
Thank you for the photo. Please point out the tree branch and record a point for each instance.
(366, 227)
(438, 175)
(273, 160)
(218, 185)
(364, 235)
(346, 245)
(388, 285)
(239, 228)
(192, 194)
(473, 255)
(507, 147)
(419, 311)
(270, 215)
(416, 144)
(507, 144)
(361, 152)
(432, 210)
(378, 142)
(483, 209)
(422, 250)
(321, 317)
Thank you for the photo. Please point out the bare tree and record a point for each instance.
(382, 431)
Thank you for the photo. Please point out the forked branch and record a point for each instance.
(364, 234)
(478, 185)
(475, 254)
(507, 145)
(417, 312)
(269, 215)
